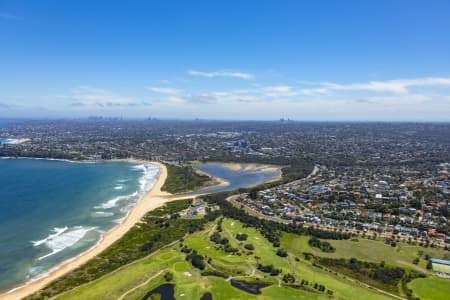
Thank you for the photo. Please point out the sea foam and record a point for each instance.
(146, 181)
(114, 201)
(62, 238)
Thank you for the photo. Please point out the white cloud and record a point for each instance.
(231, 74)
(165, 90)
(90, 97)
(398, 86)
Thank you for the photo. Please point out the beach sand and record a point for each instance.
(153, 199)
(251, 167)
(232, 166)
(214, 181)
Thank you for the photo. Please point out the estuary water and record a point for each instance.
(52, 210)
(240, 178)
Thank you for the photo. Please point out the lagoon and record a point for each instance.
(237, 175)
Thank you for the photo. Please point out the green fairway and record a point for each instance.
(431, 288)
(244, 264)
(113, 285)
(136, 279)
(365, 249)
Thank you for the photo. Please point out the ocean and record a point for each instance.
(52, 210)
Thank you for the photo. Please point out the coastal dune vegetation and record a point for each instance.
(183, 178)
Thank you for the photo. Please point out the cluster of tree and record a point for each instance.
(148, 245)
(322, 245)
(224, 242)
(317, 286)
(215, 273)
(196, 260)
(269, 269)
(183, 178)
(249, 247)
(168, 276)
(281, 252)
(391, 242)
(379, 275)
(329, 235)
(241, 236)
(289, 278)
(217, 238)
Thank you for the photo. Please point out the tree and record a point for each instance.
(241, 236)
(168, 276)
(249, 247)
(289, 278)
(429, 265)
(281, 252)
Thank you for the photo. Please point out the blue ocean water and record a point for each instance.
(53, 210)
(237, 178)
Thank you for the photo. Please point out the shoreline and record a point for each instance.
(152, 199)
(214, 180)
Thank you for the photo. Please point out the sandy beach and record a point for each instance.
(153, 199)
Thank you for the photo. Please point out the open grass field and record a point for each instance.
(431, 288)
(364, 249)
(343, 287)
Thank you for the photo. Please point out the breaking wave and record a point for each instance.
(146, 181)
(62, 238)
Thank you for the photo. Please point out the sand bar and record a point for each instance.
(153, 199)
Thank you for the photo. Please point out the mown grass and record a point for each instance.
(115, 284)
(341, 286)
(431, 288)
(244, 264)
(364, 249)
(190, 284)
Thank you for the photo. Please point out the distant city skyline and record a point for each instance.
(235, 60)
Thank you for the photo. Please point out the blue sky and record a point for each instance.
(304, 60)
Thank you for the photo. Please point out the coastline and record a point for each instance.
(151, 200)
